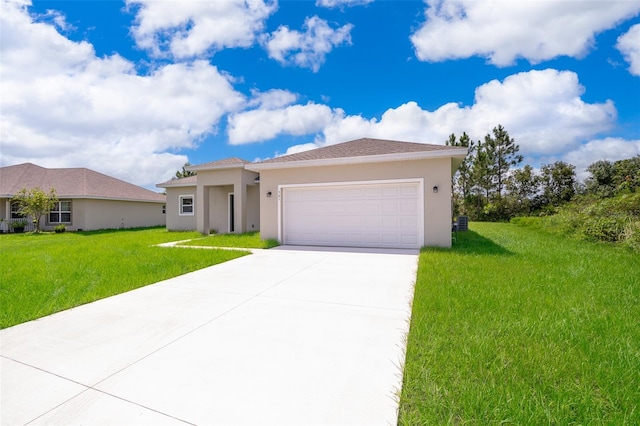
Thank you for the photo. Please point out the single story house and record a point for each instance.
(362, 193)
(88, 200)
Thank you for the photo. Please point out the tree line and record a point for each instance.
(490, 186)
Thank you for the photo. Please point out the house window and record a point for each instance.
(186, 205)
(164, 209)
(15, 211)
(61, 212)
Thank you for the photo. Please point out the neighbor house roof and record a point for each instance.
(365, 150)
(72, 183)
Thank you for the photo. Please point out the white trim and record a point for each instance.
(280, 213)
(404, 156)
(83, 197)
(229, 194)
(58, 210)
(176, 185)
(198, 168)
(419, 181)
(193, 204)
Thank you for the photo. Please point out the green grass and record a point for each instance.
(518, 326)
(245, 240)
(45, 273)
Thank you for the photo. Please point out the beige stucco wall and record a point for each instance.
(253, 208)
(89, 214)
(211, 194)
(174, 221)
(5, 213)
(434, 172)
(213, 188)
(100, 214)
(219, 208)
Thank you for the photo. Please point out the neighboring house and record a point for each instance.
(88, 200)
(363, 193)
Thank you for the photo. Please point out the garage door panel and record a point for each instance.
(367, 215)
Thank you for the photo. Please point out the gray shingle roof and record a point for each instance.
(186, 181)
(225, 162)
(72, 183)
(358, 148)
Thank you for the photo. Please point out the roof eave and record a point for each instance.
(405, 156)
(218, 167)
(175, 185)
(97, 197)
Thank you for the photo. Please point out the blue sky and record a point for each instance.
(135, 89)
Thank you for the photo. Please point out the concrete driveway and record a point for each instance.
(287, 336)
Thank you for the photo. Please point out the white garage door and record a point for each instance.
(354, 215)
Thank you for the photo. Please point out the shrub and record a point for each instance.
(59, 229)
(613, 220)
(19, 224)
(631, 236)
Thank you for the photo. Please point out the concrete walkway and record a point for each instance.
(287, 336)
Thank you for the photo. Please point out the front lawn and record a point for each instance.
(517, 326)
(245, 240)
(45, 273)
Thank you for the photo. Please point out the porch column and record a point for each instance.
(202, 209)
(239, 206)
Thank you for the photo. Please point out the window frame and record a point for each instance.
(182, 205)
(58, 210)
(14, 213)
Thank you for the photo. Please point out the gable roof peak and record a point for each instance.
(225, 163)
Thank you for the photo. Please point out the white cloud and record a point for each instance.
(300, 148)
(611, 149)
(64, 107)
(542, 110)
(341, 3)
(505, 30)
(275, 98)
(192, 28)
(306, 49)
(263, 124)
(629, 45)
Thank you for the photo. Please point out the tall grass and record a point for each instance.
(611, 220)
(45, 273)
(518, 326)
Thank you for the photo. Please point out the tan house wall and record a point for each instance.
(174, 221)
(435, 172)
(211, 197)
(106, 214)
(4, 208)
(253, 208)
(5, 213)
(213, 188)
(219, 209)
(90, 214)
